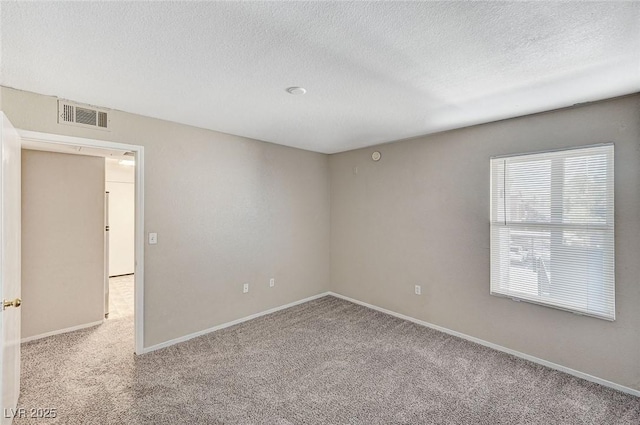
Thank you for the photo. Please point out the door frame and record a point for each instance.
(138, 151)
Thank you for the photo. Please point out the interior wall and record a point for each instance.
(234, 210)
(228, 210)
(120, 183)
(62, 241)
(420, 216)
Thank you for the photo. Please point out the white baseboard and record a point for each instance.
(226, 325)
(533, 359)
(497, 347)
(61, 331)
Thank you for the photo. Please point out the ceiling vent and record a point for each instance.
(87, 116)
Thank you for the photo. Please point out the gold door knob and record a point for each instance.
(15, 303)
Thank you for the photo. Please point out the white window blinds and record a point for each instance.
(552, 238)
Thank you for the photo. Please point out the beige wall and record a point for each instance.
(227, 210)
(62, 241)
(233, 210)
(120, 183)
(421, 216)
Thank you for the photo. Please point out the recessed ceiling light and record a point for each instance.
(296, 90)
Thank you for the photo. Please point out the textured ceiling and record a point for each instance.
(374, 72)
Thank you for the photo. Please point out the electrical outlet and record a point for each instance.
(245, 288)
(418, 290)
(272, 283)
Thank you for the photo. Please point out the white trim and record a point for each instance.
(139, 253)
(233, 322)
(497, 347)
(139, 212)
(61, 139)
(61, 331)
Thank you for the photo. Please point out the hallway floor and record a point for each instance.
(121, 296)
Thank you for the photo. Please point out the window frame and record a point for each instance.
(555, 226)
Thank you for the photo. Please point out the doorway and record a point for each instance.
(129, 266)
(120, 235)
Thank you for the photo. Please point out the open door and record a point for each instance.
(10, 235)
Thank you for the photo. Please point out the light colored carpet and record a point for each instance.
(327, 361)
(121, 289)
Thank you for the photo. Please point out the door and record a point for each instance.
(122, 233)
(10, 235)
(106, 255)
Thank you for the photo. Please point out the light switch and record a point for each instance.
(153, 238)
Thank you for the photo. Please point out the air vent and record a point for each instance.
(68, 113)
(87, 116)
(102, 119)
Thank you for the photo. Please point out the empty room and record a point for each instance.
(320, 212)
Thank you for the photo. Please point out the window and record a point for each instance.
(552, 239)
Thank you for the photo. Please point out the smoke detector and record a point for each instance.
(296, 90)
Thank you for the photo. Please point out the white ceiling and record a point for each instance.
(374, 72)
